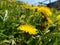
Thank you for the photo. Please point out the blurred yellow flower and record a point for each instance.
(34, 8)
(31, 7)
(49, 21)
(58, 17)
(28, 29)
(46, 11)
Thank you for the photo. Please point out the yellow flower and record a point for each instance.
(49, 21)
(58, 17)
(36, 8)
(31, 7)
(46, 11)
(28, 29)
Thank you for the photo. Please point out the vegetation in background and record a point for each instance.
(23, 24)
